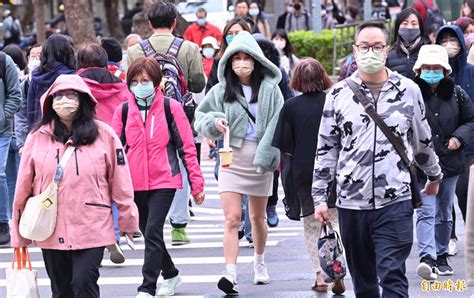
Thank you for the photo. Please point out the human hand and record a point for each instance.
(20, 151)
(454, 144)
(321, 213)
(211, 143)
(431, 188)
(199, 198)
(221, 125)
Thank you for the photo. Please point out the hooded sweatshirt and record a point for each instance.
(40, 82)
(109, 90)
(95, 175)
(270, 101)
(463, 73)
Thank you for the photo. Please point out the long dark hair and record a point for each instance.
(234, 88)
(84, 130)
(57, 48)
(289, 51)
(402, 16)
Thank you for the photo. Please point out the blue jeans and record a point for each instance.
(5, 140)
(116, 216)
(11, 171)
(247, 223)
(435, 221)
(179, 210)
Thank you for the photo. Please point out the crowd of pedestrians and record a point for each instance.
(127, 126)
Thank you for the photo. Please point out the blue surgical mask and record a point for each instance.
(432, 76)
(208, 52)
(143, 91)
(229, 39)
(201, 21)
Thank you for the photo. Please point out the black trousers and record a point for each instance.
(461, 194)
(153, 206)
(73, 273)
(377, 244)
(273, 199)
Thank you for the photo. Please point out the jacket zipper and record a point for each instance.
(97, 205)
(373, 157)
(77, 166)
(152, 126)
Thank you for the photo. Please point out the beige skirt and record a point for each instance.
(242, 177)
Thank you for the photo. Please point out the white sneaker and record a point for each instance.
(169, 286)
(453, 247)
(143, 295)
(261, 274)
(116, 254)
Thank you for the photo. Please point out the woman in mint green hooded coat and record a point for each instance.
(247, 102)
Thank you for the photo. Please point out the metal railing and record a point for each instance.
(344, 38)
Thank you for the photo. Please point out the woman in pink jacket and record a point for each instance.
(154, 128)
(96, 174)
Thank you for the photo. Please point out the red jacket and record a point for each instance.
(116, 72)
(196, 33)
(207, 64)
(418, 5)
(152, 158)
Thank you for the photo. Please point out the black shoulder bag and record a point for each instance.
(396, 142)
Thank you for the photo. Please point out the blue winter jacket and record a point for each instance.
(40, 82)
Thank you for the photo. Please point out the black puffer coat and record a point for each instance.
(450, 113)
(402, 63)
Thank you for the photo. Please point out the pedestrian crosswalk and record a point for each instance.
(200, 262)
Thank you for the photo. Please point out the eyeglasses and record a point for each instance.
(72, 95)
(363, 48)
(142, 82)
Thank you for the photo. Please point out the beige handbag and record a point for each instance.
(38, 220)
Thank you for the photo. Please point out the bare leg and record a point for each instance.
(231, 204)
(257, 211)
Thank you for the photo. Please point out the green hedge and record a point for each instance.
(319, 46)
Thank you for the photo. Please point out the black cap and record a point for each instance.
(113, 49)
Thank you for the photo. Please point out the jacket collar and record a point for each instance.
(394, 80)
(444, 90)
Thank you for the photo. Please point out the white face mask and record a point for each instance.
(66, 108)
(452, 47)
(243, 68)
(33, 64)
(279, 44)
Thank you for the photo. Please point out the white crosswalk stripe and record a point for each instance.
(200, 262)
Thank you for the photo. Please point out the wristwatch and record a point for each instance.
(436, 178)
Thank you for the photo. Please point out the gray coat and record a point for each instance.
(10, 96)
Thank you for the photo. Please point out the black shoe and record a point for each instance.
(4, 233)
(427, 268)
(227, 286)
(242, 230)
(443, 266)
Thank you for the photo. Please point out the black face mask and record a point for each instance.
(408, 35)
(297, 6)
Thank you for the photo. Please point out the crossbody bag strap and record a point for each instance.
(62, 163)
(251, 116)
(369, 109)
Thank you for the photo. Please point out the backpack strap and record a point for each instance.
(175, 46)
(147, 48)
(123, 138)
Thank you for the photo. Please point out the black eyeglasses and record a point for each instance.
(72, 95)
(363, 48)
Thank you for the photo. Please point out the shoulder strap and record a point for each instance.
(175, 46)
(62, 163)
(424, 4)
(369, 109)
(251, 116)
(169, 118)
(123, 137)
(147, 47)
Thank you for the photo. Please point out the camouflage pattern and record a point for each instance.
(353, 150)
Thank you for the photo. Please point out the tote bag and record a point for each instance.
(21, 281)
(38, 220)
